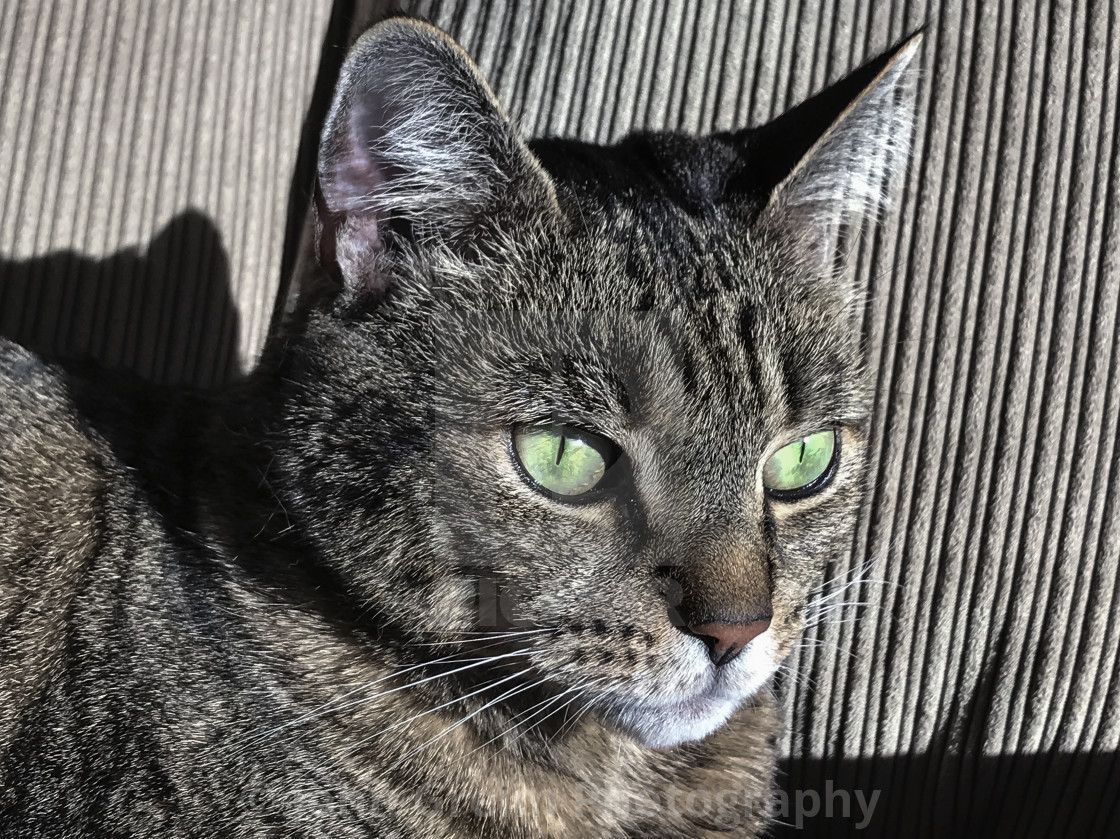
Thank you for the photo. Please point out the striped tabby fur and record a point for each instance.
(325, 603)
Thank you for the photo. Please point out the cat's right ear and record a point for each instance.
(416, 149)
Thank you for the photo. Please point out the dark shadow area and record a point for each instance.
(164, 311)
(952, 796)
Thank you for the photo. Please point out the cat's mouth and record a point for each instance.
(681, 716)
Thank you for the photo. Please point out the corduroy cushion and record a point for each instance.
(977, 689)
(153, 145)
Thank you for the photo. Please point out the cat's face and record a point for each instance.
(615, 419)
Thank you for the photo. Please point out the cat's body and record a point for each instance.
(160, 640)
(337, 601)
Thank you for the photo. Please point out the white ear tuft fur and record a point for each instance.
(415, 138)
(847, 173)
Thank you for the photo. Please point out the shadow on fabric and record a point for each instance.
(164, 311)
(952, 796)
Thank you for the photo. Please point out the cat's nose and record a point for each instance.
(726, 640)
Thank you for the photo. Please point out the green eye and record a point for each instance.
(802, 467)
(563, 461)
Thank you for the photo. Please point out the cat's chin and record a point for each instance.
(662, 725)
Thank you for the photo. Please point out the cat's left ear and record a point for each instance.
(829, 161)
(417, 148)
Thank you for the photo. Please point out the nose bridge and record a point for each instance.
(725, 581)
(712, 479)
(712, 546)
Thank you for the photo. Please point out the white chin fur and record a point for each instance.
(669, 725)
(671, 721)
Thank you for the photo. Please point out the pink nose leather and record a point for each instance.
(726, 640)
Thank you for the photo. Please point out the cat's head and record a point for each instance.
(606, 404)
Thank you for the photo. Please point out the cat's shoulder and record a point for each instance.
(50, 502)
(39, 424)
(50, 471)
(23, 375)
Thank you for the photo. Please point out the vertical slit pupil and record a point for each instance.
(560, 448)
(800, 459)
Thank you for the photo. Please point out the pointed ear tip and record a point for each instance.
(416, 41)
(373, 58)
(915, 39)
(897, 67)
(905, 50)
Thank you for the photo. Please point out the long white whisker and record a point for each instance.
(332, 705)
(479, 662)
(537, 710)
(574, 721)
(446, 704)
(491, 633)
(856, 573)
(463, 721)
(819, 616)
(483, 636)
(321, 709)
(583, 690)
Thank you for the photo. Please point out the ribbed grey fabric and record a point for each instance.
(978, 688)
(168, 130)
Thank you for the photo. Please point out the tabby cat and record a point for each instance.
(514, 523)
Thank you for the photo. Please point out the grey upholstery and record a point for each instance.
(978, 687)
(154, 142)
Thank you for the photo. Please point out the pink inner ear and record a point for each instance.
(352, 177)
(349, 184)
(361, 230)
